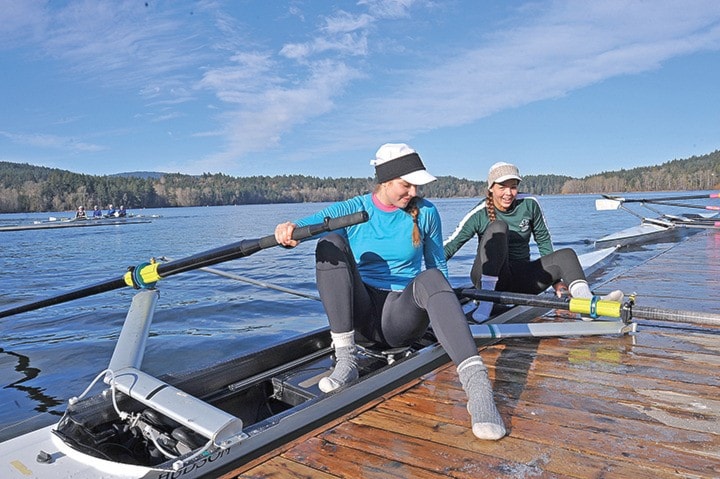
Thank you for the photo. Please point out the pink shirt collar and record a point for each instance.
(381, 206)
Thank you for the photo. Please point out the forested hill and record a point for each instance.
(27, 188)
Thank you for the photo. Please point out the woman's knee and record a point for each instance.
(432, 281)
(497, 226)
(566, 254)
(567, 260)
(331, 248)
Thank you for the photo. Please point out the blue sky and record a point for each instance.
(313, 87)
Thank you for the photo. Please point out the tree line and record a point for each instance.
(28, 188)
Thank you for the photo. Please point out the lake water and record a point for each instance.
(52, 354)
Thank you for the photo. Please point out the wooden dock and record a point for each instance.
(644, 405)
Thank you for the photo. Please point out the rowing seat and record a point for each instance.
(389, 355)
(222, 428)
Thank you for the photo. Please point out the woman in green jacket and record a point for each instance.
(504, 224)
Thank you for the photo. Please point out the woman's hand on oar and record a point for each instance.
(147, 274)
(284, 235)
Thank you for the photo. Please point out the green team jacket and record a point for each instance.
(525, 218)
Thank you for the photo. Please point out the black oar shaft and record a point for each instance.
(65, 297)
(218, 255)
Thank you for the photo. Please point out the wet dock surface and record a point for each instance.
(640, 405)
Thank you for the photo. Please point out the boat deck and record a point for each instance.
(644, 405)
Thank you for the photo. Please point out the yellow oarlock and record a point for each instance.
(144, 275)
(595, 307)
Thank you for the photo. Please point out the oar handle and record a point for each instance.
(147, 274)
(330, 224)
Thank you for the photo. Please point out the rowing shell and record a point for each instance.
(646, 232)
(74, 224)
(212, 420)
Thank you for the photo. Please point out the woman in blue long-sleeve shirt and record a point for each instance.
(373, 287)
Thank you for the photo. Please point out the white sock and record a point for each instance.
(486, 420)
(346, 367)
(580, 289)
(616, 295)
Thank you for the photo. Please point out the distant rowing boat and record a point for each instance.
(75, 223)
(665, 228)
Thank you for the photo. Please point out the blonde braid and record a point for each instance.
(490, 206)
(413, 210)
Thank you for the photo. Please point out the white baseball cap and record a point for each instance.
(398, 160)
(501, 172)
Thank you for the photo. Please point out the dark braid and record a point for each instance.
(413, 210)
(490, 206)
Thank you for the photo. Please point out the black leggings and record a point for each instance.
(389, 318)
(531, 277)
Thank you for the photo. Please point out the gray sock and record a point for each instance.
(486, 420)
(346, 367)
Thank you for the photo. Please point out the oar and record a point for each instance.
(595, 307)
(681, 205)
(146, 275)
(614, 204)
(255, 282)
(607, 204)
(695, 222)
(662, 198)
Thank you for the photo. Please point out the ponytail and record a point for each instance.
(490, 206)
(413, 210)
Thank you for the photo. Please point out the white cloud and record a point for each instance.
(389, 8)
(344, 22)
(262, 115)
(343, 33)
(21, 22)
(347, 44)
(51, 142)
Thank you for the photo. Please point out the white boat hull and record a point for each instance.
(643, 233)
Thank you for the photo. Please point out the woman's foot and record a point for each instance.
(346, 370)
(486, 421)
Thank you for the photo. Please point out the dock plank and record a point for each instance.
(607, 430)
(410, 445)
(514, 449)
(356, 453)
(279, 467)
